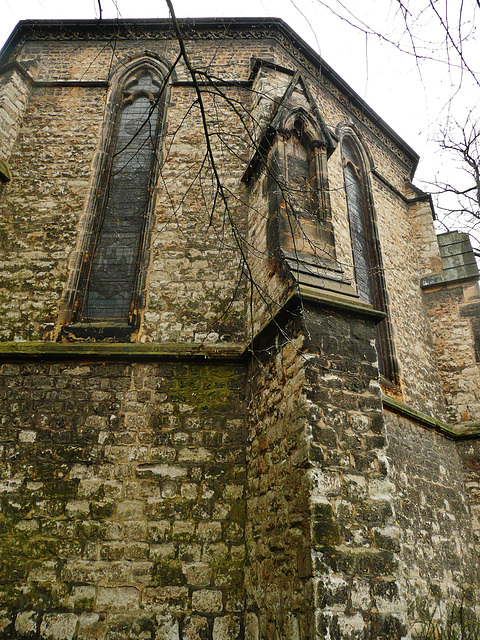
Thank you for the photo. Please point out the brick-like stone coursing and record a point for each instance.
(122, 500)
(433, 502)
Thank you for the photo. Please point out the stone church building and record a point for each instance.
(239, 370)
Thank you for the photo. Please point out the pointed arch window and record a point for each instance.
(367, 259)
(111, 275)
(110, 282)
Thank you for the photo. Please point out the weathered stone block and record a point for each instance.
(196, 628)
(140, 626)
(26, 624)
(58, 626)
(205, 600)
(174, 598)
(167, 627)
(118, 598)
(226, 628)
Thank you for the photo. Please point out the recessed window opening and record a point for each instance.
(301, 174)
(367, 260)
(111, 275)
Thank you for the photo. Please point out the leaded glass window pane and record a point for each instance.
(113, 270)
(366, 253)
(361, 261)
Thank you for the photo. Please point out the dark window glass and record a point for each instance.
(360, 241)
(114, 265)
(366, 253)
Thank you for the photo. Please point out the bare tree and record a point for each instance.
(457, 196)
(440, 36)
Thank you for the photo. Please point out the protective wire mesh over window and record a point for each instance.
(360, 242)
(366, 253)
(114, 267)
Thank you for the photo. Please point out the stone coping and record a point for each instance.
(118, 351)
(339, 301)
(469, 431)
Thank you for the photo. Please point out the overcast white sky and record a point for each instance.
(413, 98)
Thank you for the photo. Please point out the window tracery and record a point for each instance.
(110, 281)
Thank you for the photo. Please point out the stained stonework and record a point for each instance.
(453, 301)
(122, 498)
(228, 464)
(279, 585)
(433, 513)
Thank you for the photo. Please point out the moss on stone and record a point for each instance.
(85, 604)
(322, 511)
(227, 571)
(61, 489)
(168, 572)
(237, 512)
(325, 533)
(19, 507)
(27, 545)
(102, 508)
(90, 531)
(34, 596)
(208, 389)
(6, 525)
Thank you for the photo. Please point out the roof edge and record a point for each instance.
(228, 24)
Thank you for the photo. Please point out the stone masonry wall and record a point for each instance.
(219, 500)
(195, 286)
(318, 477)
(278, 577)
(192, 257)
(438, 556)
(122, 501)
(355, 536)
(14, 95)
(455, 347)
(421, 216)
(470, 454)
(400, 247)
(41, 206)
(192, 265)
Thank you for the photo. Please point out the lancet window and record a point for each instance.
(367, 259)
(112, 273)
(110, 279)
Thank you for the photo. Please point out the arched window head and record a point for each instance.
(110, 282)
(111, 277)
(367, 259)
(364, 249)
